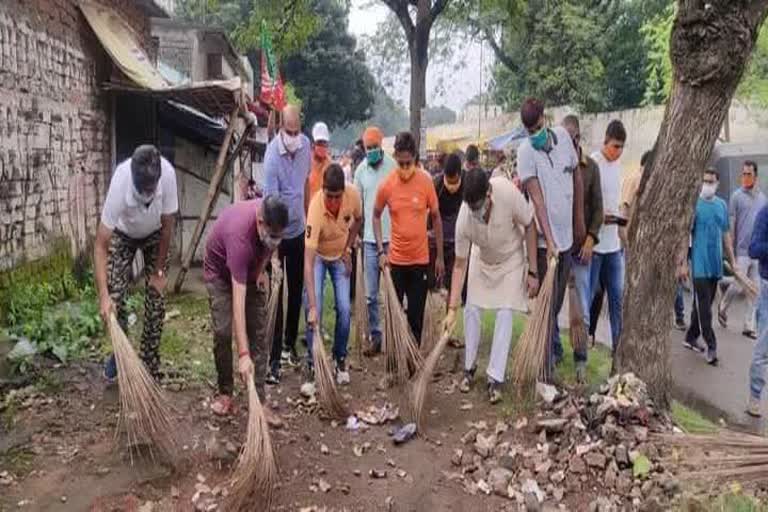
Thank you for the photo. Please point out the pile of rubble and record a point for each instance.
(588, 454)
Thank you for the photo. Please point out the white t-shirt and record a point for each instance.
(610, 184)
(123, 213)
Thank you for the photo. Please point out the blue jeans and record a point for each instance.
(679, 304)
(372, 275)
(760, 353)
(608, 270)
(582, 281)
(340, 281)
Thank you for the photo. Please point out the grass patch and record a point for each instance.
(691, 421)
(18, 461)
(733, 501)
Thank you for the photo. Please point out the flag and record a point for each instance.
(272, 88)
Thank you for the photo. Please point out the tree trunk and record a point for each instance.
(419, 50)
(710, 46)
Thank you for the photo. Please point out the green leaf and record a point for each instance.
(641, 467)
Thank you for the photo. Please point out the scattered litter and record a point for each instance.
(404, 433)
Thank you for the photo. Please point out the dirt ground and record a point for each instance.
(59, 451)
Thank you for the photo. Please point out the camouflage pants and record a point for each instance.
(122, 251)
(220, 302)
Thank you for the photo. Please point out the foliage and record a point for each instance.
(389, 115)
(292, 22)
(434, 116)
(329, 73)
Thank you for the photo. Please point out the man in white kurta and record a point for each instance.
(496, 222)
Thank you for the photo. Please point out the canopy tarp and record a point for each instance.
(509, 139)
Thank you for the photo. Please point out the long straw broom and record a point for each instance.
(422, 380)
(726, 456)
(145, 412)
(328, 395)
(274, 297)
(362, 327)
(402, 354)
(578, 331)
(433, 314)
(529, 352)
(255, 475)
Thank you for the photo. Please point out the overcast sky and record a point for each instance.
(464, 84)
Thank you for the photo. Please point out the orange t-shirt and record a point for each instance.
(409, 204)
(316, 174)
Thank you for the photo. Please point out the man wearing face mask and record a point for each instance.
(321, 158)
(371, 172)
(593, 219)
(241, 243)
(333, 222)
(449, 186)
(410, 196)
(492, 220)
(710, 234)
(547, 163)
(745, 204)
(286, 168)
(607, 271)
(139, 214)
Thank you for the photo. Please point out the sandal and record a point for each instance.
(223, 405)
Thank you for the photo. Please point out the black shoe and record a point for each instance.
(680, 324)
(273, 377)
(712, 358)
(749, 334)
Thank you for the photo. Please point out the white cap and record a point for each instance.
(320, 132)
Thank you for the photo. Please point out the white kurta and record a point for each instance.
(497, 266)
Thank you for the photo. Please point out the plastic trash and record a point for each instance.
(404, 434)
(23, 349)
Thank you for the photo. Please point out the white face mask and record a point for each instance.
(708, 190)
(142, 198)
(291, 142)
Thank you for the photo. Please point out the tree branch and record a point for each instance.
(503, 57)
(400, 8)
(437, 8)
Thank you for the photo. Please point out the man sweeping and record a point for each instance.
(547, 162)
(333, 222)
(238, 249)
(370, 173)
(286, 168)
(496, 221)
(410, 196)
(138, 214)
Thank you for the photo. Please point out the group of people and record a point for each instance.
(488, 238)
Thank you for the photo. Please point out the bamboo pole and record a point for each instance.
(210, 200)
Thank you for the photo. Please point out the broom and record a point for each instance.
(255, 475)
(145, 412)
(746, 284)
(529, 352)
(400, 348)
(418, 393)
(329, 396)
(361, 310)
(433, 313)
(579, 336)
(274, 296)
(726, 456)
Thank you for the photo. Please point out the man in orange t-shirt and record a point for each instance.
(320, 159)
(410, 195)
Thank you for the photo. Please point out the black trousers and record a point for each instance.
(291, 254)
(554, 351)
(411, 282)
(701, 313)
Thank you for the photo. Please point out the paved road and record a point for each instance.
(718, 392)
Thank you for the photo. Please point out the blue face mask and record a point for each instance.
(374, 156)
(539, 139)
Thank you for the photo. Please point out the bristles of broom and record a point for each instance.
(328, 396)
(402, 354)
(274, 296)
(145, 412)
(727, 456)
(362, 327)
(255, 475)
(578, 331)
(418, 393)
(530, 350)
(433, 315)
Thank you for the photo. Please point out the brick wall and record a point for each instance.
(54, 123)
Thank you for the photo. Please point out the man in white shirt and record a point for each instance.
(608, 255)
(138, 213)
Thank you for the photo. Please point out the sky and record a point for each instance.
(464, 84)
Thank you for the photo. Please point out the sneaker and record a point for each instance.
(342, 375)
(273, 377)
(712, 358)
(494, 392)
(466, 382)
(581, 372)
(749, 334)
(753, 407)
(290, 358)
(693, 345)
(680, 324)
(110, 369)
(373, 349)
